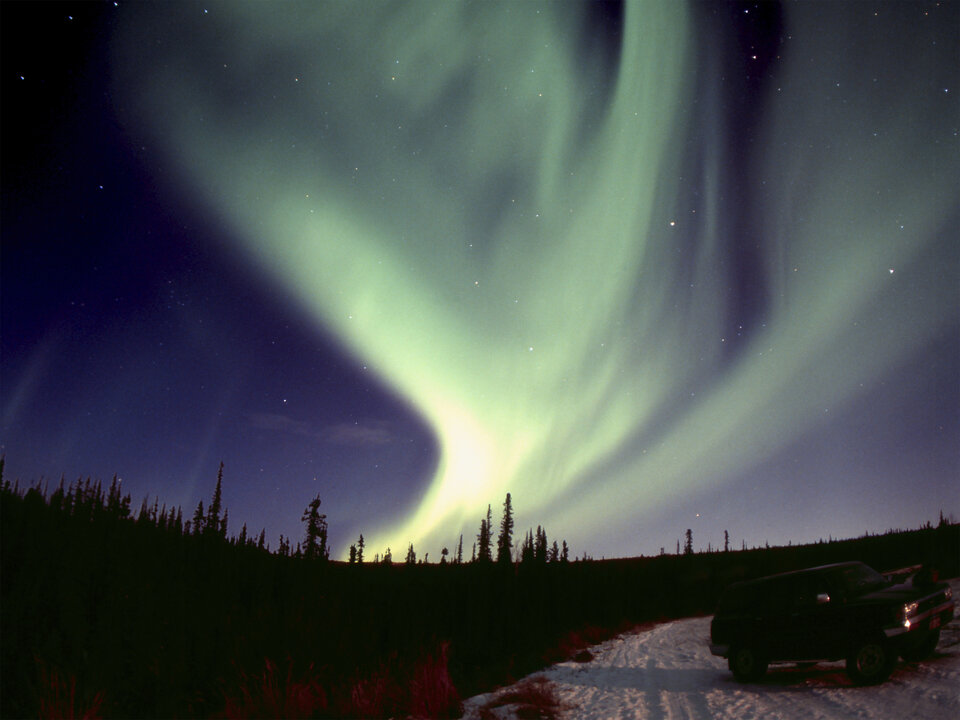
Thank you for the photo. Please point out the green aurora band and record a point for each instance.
(443, 187)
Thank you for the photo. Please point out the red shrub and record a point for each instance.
(534, 697)
(424, 690)
(60, 700)
(432, 694)
(272, 695)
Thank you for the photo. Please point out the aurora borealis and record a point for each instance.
(634, 269)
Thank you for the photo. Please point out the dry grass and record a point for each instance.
(61, 700)
(425, 690)
(532, 698)
(432, 694)
(271, 694)
(575, 645)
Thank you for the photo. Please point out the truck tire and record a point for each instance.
(870, 663)
(747, 664)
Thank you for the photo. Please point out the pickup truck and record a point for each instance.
(846, 611)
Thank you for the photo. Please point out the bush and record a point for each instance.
(59, 699)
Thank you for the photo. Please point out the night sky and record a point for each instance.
(647, 268)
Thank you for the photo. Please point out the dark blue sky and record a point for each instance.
(135, 342)
(138, 340)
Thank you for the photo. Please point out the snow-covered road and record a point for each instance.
(668, 673)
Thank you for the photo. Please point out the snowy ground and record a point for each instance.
(668, 673)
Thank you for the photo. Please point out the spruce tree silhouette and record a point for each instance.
(483, 540)
(526, 550)
(315, 540)
(118, 506)
(197, 524)
(214, 525)
(540, 546)
(505, 539)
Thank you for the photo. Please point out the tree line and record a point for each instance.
(534, 548)
(163, 613)
(91, 500)
(158, 615)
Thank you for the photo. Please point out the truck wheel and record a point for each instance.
(747, 664)
(870, 663)
(922, 649)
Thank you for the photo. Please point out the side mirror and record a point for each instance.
(822, 598)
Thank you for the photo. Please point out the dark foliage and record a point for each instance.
(315, 539)
(105, 614)
(505, 538)
(483, 539)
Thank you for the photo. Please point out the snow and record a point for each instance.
(668, 673)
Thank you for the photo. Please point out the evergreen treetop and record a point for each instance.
(505, 539)
(315, 538)
(214, 524)
(484, 553)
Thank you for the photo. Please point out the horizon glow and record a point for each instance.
(519, 255)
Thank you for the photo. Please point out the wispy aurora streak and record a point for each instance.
(518, 254)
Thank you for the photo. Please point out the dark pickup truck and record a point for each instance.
(846, 611)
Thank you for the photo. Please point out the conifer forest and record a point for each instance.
(113, 610)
